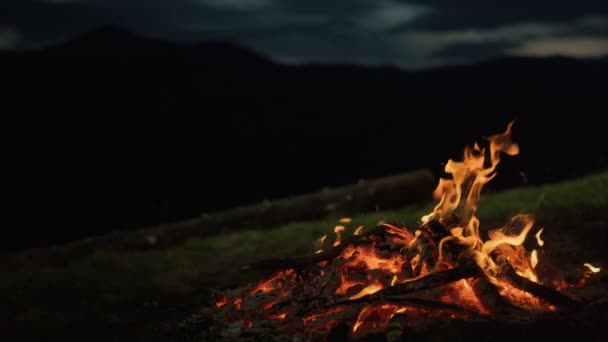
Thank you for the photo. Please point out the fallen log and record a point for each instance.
(365, 196)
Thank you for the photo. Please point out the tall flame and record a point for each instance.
(462, 193)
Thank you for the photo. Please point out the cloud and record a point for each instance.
(9, 38)
(463, 14)
(473, 50)
(455, 45)
(581, 47)
(388, 15)
(239, 5)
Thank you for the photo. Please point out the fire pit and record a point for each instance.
(389, 279)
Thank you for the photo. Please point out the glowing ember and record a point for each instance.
(591, 267)
(358, 231)
(271, 283)
(338, 230)
(318, 315)
(346, 220)
(222, 300)
(278, 316)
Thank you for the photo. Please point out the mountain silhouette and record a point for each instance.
(114, 131)
(112, 41)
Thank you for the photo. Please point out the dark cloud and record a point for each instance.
(451, 14)
(467, 51)
(409, 33)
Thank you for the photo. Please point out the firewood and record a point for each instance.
(433, 280)
(489, 296)
(540, 291)
(429, 281)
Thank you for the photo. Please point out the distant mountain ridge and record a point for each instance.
(115, 41)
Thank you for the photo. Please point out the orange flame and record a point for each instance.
(346, 220)
(592, 268)
(534, 258)
(371, 289)
(383, 312)
(538, 239)
(358, 231)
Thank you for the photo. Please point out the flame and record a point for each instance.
(538, 239)
(534, 258)
(346, 220)
(395, 280)
(322, 239)
(338, 230)
(472, 170)
(377, 315)
(358, 231)
(462, 193)
(592, 268)
(371, 289)
(346, 284)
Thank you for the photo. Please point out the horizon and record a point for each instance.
(115, 31)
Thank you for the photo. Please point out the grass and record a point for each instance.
(113, 295)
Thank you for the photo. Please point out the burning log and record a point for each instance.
(540, 291)
(489, 296)
(430, 281)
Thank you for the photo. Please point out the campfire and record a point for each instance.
(384, 279)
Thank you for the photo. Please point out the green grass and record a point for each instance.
(112, 293)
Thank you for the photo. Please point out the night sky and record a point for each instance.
(412, 33)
